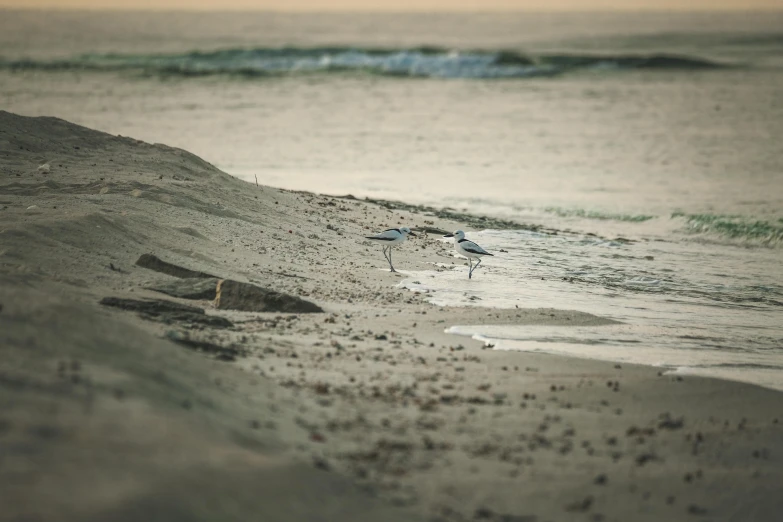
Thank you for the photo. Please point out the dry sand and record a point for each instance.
(365, 412)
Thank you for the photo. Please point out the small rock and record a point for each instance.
(483, 513)
(45, 168)
(669, 423)
(320, 463)
(583, 505)
(644, 458)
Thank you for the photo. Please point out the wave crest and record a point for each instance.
(735, 227)
(425, 62)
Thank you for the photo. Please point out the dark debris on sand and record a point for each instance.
(235, 295)
(191, 288)
(222, 353)
(152, 262)
(167, 311)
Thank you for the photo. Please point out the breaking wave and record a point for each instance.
(424, 62)
(742, 229)
(735, 227)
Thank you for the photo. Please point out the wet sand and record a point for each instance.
(156, 407)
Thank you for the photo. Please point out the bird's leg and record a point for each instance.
(477, 264)
(384, 253)
(390, 261)
(470, 269)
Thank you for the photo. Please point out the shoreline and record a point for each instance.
(664, 369)
(368, 410)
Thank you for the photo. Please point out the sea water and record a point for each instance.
(682, 305)
(651, 142)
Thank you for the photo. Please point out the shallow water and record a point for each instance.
(682, 305)
(660, 128)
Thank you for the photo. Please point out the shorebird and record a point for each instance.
(392, 237)
(468, 249)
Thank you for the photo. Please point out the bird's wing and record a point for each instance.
(387, 235)
(473, 248)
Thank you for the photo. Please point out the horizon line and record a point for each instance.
(338, 10)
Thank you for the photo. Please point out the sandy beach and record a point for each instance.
(280, 375)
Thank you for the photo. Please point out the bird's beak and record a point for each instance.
(412, 234)
(449, 235)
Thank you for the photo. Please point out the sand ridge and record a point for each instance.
(367, 411)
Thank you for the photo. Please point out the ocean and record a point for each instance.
(641, 151)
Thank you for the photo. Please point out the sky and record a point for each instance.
(398, 5)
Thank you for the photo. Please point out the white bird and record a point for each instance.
(468, 249)
(391, 237)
